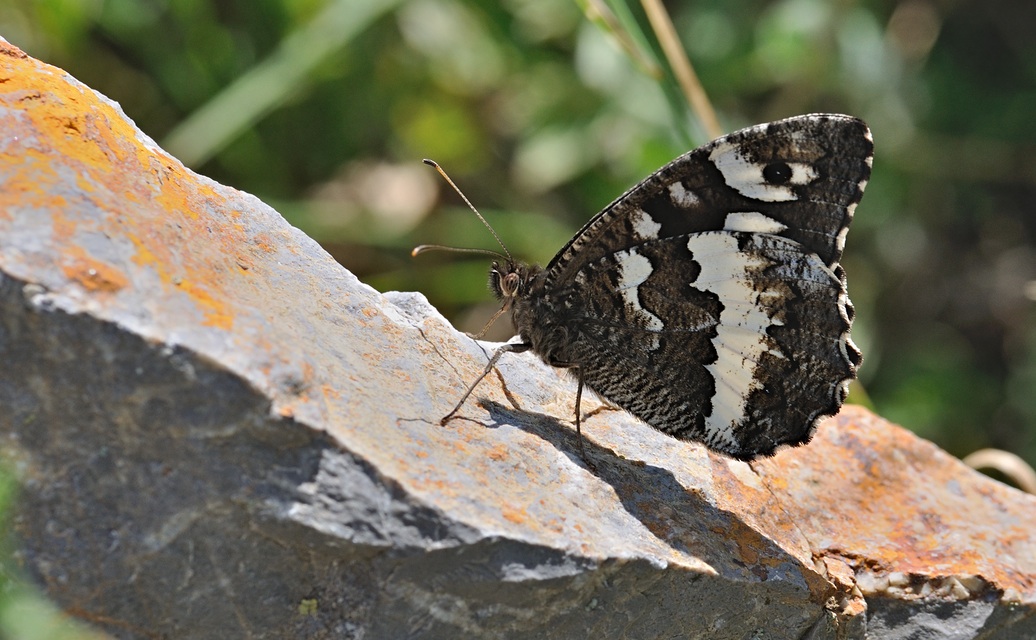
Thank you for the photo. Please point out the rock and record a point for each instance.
(221, 433)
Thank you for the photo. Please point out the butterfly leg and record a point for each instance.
(578, 372)
(579, 413)
(517, 347)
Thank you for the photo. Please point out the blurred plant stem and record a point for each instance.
(273, 81)
(692, 88)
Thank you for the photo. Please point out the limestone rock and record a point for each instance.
(221, 433)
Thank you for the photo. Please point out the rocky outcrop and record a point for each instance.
(221, 433)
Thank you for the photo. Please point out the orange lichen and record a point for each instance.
(868, 487)
(127, 189)
(499, 452)
(93, 275)
(213, 309)
(513, 514)
(263, 242)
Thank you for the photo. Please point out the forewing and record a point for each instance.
(800, 178)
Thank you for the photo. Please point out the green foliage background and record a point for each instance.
(324, 108)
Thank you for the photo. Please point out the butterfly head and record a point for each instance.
(509, 280)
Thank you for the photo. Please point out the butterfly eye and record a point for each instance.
(777, 173)
(509, 285)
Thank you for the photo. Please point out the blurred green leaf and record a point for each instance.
(272, 82)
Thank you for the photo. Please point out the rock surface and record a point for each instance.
(221, 433)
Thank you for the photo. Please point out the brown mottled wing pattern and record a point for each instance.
(708, 299)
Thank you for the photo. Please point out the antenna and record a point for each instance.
(432, 247)
(424, 248)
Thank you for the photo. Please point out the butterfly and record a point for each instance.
(708, 300)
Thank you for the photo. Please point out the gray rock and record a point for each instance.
(221, 433)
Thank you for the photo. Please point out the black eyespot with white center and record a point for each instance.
(777, 173)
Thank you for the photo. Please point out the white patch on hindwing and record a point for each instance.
(753, 222)
(746, 176)
(633, 270)
(741, 338)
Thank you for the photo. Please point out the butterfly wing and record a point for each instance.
(708, 299)
(829, 159)
(744, 356)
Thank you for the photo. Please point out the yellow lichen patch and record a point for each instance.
(28, 178)
(127, 189)
(499, 452)
(214, 310)
(264, 242)
(66, 120)
(308, 607)
(64, 229)
(92, 274)
(515, 515)
(330, 391)
(186, 196)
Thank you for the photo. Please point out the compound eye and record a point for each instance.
(509, 285)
